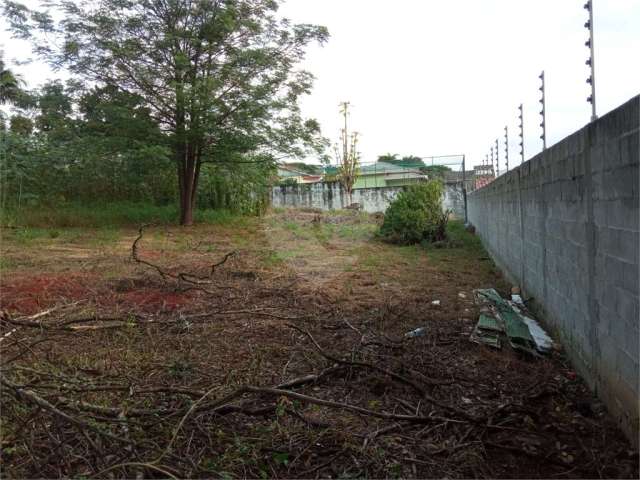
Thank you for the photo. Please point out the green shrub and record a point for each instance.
(416, 215)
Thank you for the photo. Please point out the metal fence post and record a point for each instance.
(464, 189)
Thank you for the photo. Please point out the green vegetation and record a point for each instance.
(305, 167)
(185, 103)
(413, 162)
(289, 182)
(416, 215)
(9, 85)
(106, 215)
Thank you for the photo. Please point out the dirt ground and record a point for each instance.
(286, 360)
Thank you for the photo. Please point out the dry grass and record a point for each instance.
(141, 352)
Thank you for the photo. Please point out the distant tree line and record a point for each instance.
(62, 144)
(411, 161)
(181, 100)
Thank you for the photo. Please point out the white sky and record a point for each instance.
(435, 77)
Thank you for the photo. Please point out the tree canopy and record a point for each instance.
(217, 78)
(411, 161)
(9, 84)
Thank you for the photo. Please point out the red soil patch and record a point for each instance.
(153, 300)
(32, 294)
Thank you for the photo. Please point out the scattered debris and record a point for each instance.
(462, 295)
(544, 343)
(487, 331)
(435, 302)
(418, 332)
(192, 384)
(499, 316)
(517, 299)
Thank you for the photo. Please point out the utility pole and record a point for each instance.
(506, 147)
(591, 60)
(521, 117)
(543, 124)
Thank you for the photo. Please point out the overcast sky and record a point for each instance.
(428, 77)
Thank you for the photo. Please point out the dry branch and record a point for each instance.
(395, 376)
(35, 399)
(193, 280)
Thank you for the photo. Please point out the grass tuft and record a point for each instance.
(116, 214)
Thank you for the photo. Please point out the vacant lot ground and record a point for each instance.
(287, 359)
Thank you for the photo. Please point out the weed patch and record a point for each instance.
(110, 215)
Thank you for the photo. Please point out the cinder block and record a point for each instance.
(631, 277)
(561, 168)
(612, 154)
(614, 271)
(632, 338)
(598, 189)
(623, 213)
(620, 183)
(606, 295)
(600, 212)
(618, 327)
(576, 232)
(630, 148)
(597, 158)
(627, 304)
(627, 368)
(607, 319)
(608, 351)
(607, 240)
(628, 245)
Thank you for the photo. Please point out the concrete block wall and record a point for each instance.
(565, 227)
(331, 196)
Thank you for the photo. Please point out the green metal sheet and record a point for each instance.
(487, 322)
(487, 337)
(516, 329)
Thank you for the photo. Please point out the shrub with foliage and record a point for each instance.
(416, 215)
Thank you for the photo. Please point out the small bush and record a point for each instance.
(416, 215)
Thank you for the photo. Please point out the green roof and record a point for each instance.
(374, 169)
(384, 167)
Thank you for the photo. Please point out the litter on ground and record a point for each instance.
(517, 299)
(544, 343)
(418, 332)
(500, 317)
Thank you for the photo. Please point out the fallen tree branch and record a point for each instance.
(344, 406)
(239, 312)
(190, 278)
(35, 399)
(384, 371)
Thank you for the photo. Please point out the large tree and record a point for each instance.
(10, 90)
(218, 76)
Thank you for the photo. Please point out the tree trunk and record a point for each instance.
(186, 207)
(188, 163)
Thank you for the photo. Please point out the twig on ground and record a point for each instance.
(35, 399)
(194, 281)
(391, 374)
